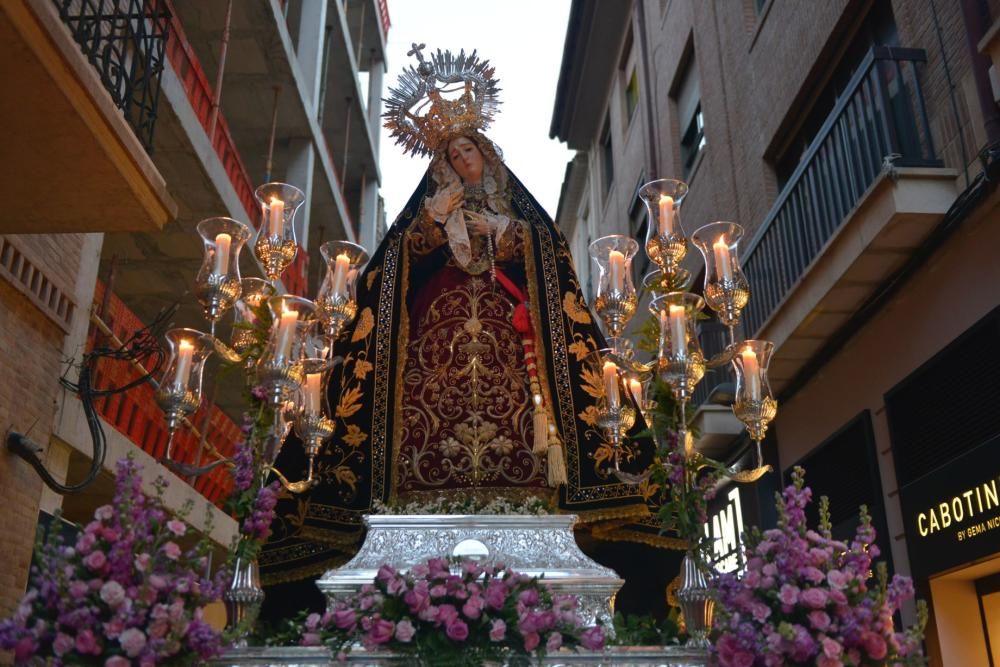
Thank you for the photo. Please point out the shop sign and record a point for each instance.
(953, 514)
(725, 527)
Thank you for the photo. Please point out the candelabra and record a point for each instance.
(299, 333)
(679, 360)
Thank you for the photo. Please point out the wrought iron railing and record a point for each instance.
(124, 40)
(878, 122)
(714, 337)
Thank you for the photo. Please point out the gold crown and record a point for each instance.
(444, 118)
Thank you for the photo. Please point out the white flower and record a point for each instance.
(113, 594)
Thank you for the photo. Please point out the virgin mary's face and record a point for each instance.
(466, 159)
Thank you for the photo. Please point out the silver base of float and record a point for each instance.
(540, 546)
(314, 656)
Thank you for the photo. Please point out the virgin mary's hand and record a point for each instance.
(441, 205)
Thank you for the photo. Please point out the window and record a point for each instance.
(637, 220)
(691, 122)
(607, 156)
(693, 141)
(758, 5)
(632, 94)
(878, 28)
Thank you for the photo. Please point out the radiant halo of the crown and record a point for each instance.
(420, 116)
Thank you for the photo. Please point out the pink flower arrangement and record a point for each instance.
(454, 612)
(124, 594)
(806, 599)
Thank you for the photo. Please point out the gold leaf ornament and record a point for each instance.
(345, 475)
(575, 309)
(366, 322)
(362, 368)
(355, 436)
(350, 402)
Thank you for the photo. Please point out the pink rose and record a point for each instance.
(417, 599)
(428, 613)
(447, 614)
(531, 641)
(831, 649)
(529, 597)
(820, 620)
(95, 560)
(344, 619)
(788, 594)
(132, 642)
(498, 630)
(24, 650)
(86, 643)
(824, 661)
(457, 631)
(172, 551)
(62, 644)
(816, 598)
(312, 621)
(419, 571)
(381, 631)
(158, 582)
(874, 645)
(473, 607)
(113, 594)
(554, 642)
(117, 661)
(78, 589)
(496, 594)
(438, 591)
(837, 579)
(310, 639)
(386, 573)
(395, 586)
(405, 631)
(177, 527)
(593, 638)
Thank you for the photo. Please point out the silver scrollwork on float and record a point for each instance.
(535, 545)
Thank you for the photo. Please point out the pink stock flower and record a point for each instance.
(172, 551)
(788, 594)
(819, 620)
(62, 644)
(815, 598)
(177, 527)
(837, 579)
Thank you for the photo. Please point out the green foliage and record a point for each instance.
(646, 630)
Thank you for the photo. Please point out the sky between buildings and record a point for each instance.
(523, 40)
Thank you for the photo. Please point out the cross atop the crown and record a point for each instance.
(415, 51)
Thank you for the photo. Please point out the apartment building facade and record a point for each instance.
(133, 120)
(856, 143)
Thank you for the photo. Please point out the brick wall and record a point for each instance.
(31, 359)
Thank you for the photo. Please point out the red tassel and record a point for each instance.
(522, 321)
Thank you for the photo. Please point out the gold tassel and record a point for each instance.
(557, 464)
(541, 426)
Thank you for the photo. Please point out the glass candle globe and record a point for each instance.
(336, 303)
(217, 285)
(666, 244)
(680, 362)
(616, 299)
(275, 245)
(727, 291)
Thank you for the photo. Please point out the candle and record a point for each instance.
(286, 330)
(222, 244)
(666, 223)
(276, 224)
(678, 333)
(635, 388)
(340, 275)
(616, 260)
(611, 384)
(723, 266)
(751, 373)
(312, 393)
(185, 355)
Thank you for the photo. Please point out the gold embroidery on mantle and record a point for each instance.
(466, 417)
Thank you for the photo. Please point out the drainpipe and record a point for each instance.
(217, 97)
(976, 16)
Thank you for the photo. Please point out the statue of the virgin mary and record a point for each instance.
(467, 372)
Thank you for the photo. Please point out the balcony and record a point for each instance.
(867, 191)
(86, 76)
